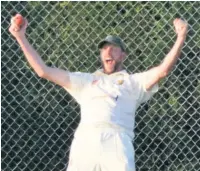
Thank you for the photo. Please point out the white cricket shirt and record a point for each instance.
(111, 99)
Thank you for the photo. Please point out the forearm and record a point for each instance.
(172, 57)
(32, 56)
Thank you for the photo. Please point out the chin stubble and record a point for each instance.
(117, 65)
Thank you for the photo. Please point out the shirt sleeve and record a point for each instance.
(78, 81)
(139, 80)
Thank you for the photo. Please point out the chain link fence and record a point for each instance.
(39, 118)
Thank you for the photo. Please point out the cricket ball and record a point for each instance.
(18, 20)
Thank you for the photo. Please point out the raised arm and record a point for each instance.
(55, 75)
(155, 74)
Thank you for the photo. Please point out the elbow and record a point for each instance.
(164, 74)
(164, 71)
(42, 72)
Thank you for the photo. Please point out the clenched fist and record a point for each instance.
(17, 31)
(181, 27)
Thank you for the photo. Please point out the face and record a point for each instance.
(112, 58)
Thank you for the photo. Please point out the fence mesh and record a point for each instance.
(39, 118)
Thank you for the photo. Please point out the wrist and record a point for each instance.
(20, 37)
(181, 37)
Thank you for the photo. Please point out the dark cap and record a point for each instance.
(112, 40)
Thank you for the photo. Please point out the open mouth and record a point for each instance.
(109, 61)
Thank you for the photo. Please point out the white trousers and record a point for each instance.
(101, 149)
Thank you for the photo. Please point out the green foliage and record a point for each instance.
(38, 117)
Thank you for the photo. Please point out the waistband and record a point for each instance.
(103, 127)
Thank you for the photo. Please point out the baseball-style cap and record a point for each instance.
(113, 40)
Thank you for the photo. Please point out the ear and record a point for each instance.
(124, 55)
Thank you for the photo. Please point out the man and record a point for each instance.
(108, 99)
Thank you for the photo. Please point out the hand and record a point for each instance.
(181, 27)
(16, 31)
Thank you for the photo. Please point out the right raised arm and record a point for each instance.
(55, 75)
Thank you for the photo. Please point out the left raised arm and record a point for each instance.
(155, 74)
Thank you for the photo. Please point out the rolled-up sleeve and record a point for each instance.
(78, 81)
(139, 82)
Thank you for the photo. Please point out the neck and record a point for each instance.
(120, 68)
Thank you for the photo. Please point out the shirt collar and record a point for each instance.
(100, 72)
